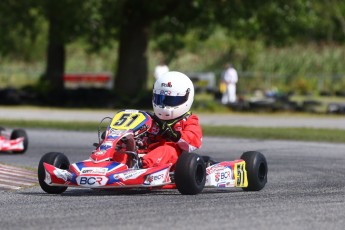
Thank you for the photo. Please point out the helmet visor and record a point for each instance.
(165, 100)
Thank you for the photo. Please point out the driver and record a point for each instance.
(175, 128)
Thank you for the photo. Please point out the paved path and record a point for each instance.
(233, 119)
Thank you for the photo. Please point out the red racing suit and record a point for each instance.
(162, 151)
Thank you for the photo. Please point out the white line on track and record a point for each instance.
(14, 178)
(17, 177)
(18, 173)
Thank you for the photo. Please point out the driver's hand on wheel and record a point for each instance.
(166, 130)
(169, 133)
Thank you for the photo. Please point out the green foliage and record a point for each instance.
(170, 22)
(81, 58)
(204, 102)
(20, 24)
(309, 67)
(292, 45)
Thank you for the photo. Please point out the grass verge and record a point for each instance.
(302, 134)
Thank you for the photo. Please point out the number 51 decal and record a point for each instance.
(240, 174)
(125, 120)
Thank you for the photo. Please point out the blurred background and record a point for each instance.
(289, 55)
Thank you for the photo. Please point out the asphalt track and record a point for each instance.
(305, 190)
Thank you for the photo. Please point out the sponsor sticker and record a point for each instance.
(129, 175)
(166, 84)
(99, 153)
(214, 168)
(92, 181)
(224, 175)
(221, 176)
(157, 178)
(114, 133)
(93, 170)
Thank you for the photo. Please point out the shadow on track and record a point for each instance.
(128, 192)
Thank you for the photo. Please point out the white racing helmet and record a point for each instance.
(173, 95)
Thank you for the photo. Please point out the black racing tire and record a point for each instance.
(57, 159)
(256, 167)
(20, 133)
(190, 174)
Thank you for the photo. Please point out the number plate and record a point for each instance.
(240, 174)
(127, 119)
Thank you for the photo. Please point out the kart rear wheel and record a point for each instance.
(256, 167)
(57, 159)
(190, 174)
(20, 133)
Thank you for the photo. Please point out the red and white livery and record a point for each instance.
(126, 134)
(16, 142)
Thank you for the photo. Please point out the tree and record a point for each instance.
(133, 23)
(68, 20)
(139, 21)
(276, 22)
(17, 30)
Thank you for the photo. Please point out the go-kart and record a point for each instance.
(125, 134)
(16, 142)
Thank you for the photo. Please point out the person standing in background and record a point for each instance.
(229, 79)
(160, 69)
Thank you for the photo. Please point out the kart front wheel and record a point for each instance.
(256, 167)
(190, 174)
(57, 159)
(20, 133)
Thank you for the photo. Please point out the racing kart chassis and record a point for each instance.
(192, 172)
(14, 142)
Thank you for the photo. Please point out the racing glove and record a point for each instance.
(166, 131)
(169, 133)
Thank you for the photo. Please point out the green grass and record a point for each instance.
(61, 125)
(302, 68)
(301, 134)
